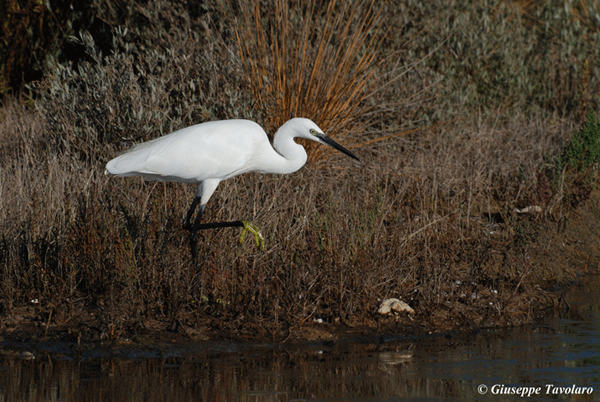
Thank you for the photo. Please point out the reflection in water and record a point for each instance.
(563, 351)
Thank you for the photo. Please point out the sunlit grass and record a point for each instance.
(311, 61)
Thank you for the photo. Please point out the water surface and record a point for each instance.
(555, 358)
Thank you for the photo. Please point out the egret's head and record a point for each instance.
(303, 128)
(316, 134)
(284, 143)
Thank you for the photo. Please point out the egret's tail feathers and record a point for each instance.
(124, 166)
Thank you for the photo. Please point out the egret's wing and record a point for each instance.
(210, 150)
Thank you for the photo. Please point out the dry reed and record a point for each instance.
(316, 61)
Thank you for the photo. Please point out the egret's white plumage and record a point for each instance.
(207, 153)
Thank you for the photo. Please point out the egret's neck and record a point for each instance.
(292, 156)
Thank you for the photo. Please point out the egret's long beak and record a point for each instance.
(333, 144)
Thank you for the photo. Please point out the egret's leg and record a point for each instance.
(187, 224)
(194, 230)
(219, 225)
(248, 227)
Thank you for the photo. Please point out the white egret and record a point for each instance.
(208, 153)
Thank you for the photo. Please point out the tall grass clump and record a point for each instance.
(311, 59)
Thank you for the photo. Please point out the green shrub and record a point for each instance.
(493, 56)
(584, 148)
(31, 31)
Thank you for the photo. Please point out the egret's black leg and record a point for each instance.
(260, 241)
(198, 226)
(194, 229)
(187, 224)
(217, 225)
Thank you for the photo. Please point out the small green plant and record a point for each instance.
(584, 149)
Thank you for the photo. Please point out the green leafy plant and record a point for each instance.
(31, 31)
(584, 149)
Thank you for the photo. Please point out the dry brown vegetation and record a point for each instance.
(312, 61)
(427, 217)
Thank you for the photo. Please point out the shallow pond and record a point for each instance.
(553, 360)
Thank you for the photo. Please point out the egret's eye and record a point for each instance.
(313, 131)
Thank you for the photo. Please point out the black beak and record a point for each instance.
(333, 144)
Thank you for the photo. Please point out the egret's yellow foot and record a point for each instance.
(258, 237)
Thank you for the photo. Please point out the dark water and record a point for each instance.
(551, 361)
